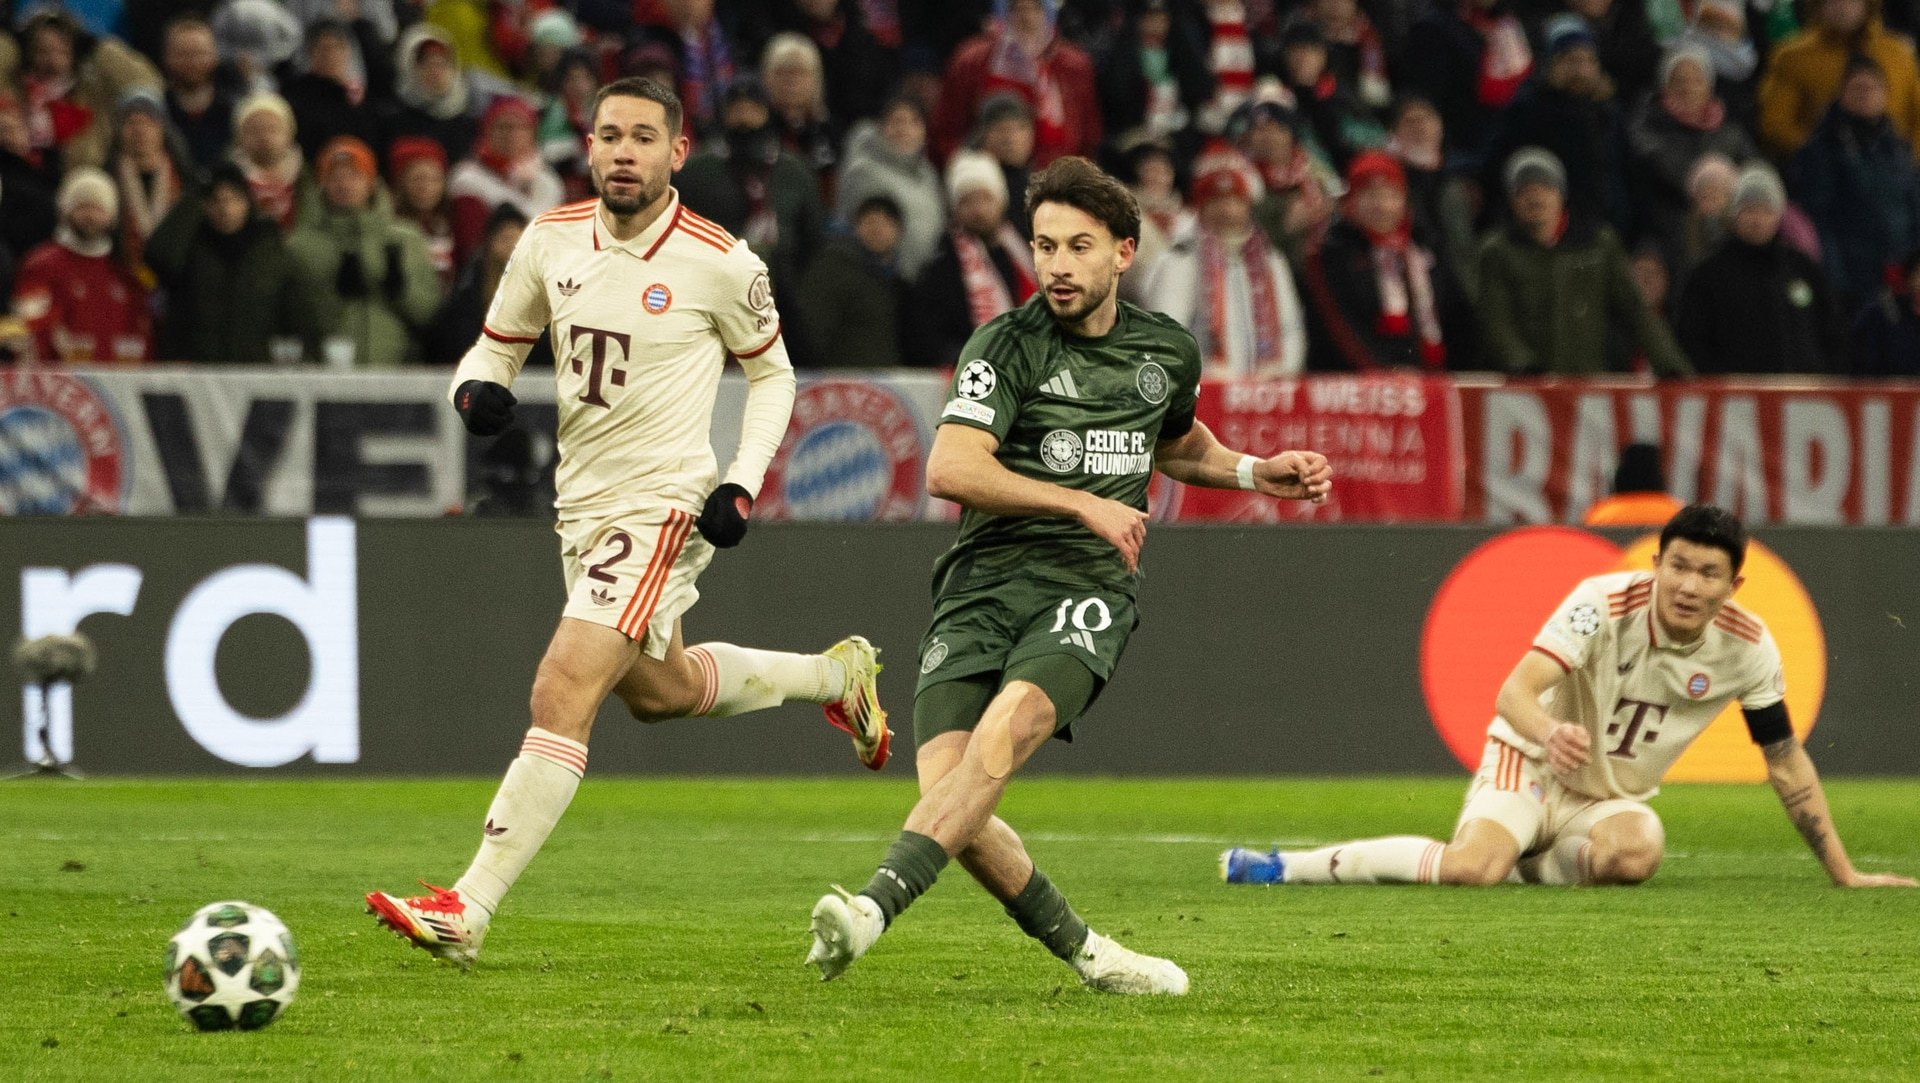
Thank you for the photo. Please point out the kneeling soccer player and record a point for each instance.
(1629, 670)
(1061, 411)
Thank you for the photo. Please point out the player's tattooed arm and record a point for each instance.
(1797, 783)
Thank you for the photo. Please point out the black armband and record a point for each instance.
(1769, 724)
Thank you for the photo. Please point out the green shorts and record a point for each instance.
(977, 636)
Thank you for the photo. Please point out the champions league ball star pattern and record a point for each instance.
(232, 965)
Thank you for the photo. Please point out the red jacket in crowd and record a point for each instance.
(82, 308)
(1061, 93)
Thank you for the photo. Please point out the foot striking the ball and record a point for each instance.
(441, 924)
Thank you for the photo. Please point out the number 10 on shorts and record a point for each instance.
(1089, 616)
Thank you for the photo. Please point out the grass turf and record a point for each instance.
(659, 936)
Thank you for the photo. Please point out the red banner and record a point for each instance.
(1805, 452)
(1394, 442)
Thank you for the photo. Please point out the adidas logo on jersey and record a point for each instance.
(1079, 639)
(568, 288)
(1061, 385)
(601, 597)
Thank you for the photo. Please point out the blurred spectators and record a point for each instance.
(469, 25)
(199, 105)
(369, 279)
(1155, 81)
(889, 157)
(1226, 282)
(383, 25)
(1355, 54)
(1757, 304)
(257, 37)
(28, 180)
(1441, 201)
(853, 297)
(1804, 73)
(504, 167)
(1624, 43)
(1340, 124)
(1022, 53)
(432, 97)
(796, 90)
(233, 296)
(81, 304)
(1295, 201)
(1555, 285)
(345, 73)
(1639, 496)
(1149, 172)
(1379, 299)
(571, 87)
(703, 55)
(1648, 266)
(761, 194)
(552, 36)
(983, 267)
(153, 168)
(1471, 60)
(456, 326)
(1669, 132)
(860, 70)
(417, 173)
(1568, 109)
(70, 82)
(1720, 27)
(1006, 134)
(1857, 180)
(265, 150)
(1886, 334)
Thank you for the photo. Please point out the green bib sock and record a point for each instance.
(911, 866)
(1042, 913)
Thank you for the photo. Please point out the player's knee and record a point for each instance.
(561, 700)
(1028, 713)
(1632, 862)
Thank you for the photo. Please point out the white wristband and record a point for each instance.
(1244, 472)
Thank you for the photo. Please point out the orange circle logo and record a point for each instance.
(1488, 610)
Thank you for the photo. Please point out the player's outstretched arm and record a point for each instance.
(1199, 458)
(1536, 674)
(1792, 774)
(961, 468)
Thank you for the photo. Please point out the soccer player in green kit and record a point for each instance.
(1060, 412)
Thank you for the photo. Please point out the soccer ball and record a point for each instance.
(232, 965)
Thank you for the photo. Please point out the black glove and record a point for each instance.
(350, 281)
(394, 286)
(484, 406)
(723, 522)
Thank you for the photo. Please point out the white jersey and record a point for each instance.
(641, 330)
(1642, 696)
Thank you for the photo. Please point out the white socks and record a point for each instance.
(539, 785)
(741, 679)
(1402, 859)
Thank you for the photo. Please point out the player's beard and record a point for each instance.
(1083, 304)
(646, 191)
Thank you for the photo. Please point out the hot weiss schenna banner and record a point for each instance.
(1806, 452)
(1394, 441)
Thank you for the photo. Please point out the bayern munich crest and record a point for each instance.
(1697, 685)
(852, 452)
(62, 450)
(656, 298)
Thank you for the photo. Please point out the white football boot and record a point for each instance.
(844, 927)
(1104, 965)
(858, 710)
(442, 924)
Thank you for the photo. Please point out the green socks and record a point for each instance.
(1042, 913)
(912, 864)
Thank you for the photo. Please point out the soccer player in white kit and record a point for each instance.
(1628, 671)
(645, 300)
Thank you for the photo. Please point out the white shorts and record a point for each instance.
(634, 573)
(1523, 796)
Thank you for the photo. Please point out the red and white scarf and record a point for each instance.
(1010, 67)
(1264, 293)
(1505, 62)
(987, 293)
(1403, 273)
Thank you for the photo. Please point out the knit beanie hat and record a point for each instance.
(972, 170)
(1535, 165)
(85, 184)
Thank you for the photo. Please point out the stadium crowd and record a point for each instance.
(1521, 186)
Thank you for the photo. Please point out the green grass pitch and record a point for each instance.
(660, 936)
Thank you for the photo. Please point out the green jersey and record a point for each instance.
(1084, 413)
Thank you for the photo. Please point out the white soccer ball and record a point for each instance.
(232, 965)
